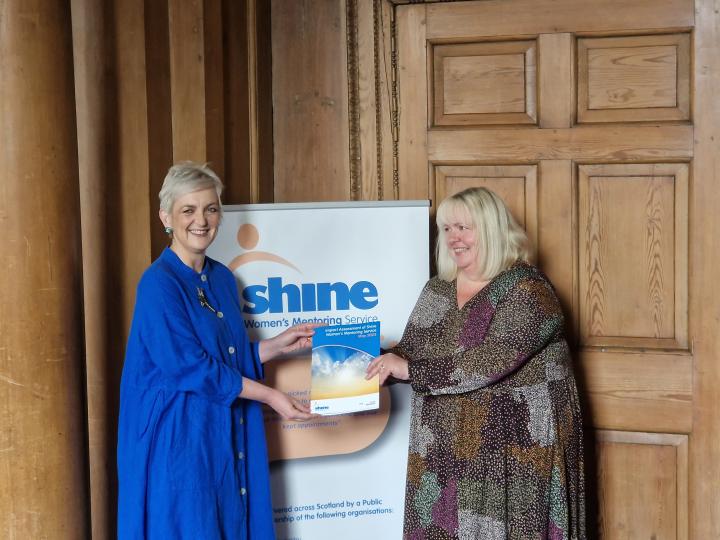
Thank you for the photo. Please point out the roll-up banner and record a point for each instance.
(333, 477)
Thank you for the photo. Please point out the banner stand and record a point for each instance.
(335, 263)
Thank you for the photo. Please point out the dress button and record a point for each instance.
(241, 455)
(242, 420)
(231, 349)
(203, 277)
(243, 491)
(220, 314)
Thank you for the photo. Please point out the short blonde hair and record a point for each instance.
(500, 240)
(186, 177)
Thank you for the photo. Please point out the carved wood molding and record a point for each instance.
(377, 33)
(394, 105)
(353, 74)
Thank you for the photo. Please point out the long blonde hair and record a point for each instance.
(500, 240)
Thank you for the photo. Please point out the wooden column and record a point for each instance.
(310, 101)
(187, 79)
(97, 165)
(42, 438)
(247, 102)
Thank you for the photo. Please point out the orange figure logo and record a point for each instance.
(248, 237)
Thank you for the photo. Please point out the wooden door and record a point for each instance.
(579, 113)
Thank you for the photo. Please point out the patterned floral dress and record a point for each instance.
(496, 433)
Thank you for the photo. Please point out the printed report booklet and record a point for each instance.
(340, 357)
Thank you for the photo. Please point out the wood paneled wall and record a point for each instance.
(310, 100)
(97, 173)
(297, 101)
(155, 83)
(42, 422)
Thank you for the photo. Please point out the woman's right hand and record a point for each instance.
(388, 365)
(288, 407)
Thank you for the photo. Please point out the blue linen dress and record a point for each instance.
(192, 457)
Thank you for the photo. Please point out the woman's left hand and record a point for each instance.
(388, 365)
(294, 339)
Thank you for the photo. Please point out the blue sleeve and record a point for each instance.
(255, 355)
(252, 366)
(173, 346)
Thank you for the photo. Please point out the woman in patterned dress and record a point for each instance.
(496, 432)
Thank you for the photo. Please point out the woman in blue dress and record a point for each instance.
(192, 459)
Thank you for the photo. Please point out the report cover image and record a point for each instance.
(340, 356)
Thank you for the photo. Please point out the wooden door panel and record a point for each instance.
(515, 184)
(637, 78)
(658, 485)
(605, 130)
(633, 255)
(510, 188)
(483, 83)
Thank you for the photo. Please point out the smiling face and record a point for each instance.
(461, 242)
(194, 219)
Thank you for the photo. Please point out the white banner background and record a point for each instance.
(354, 494)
